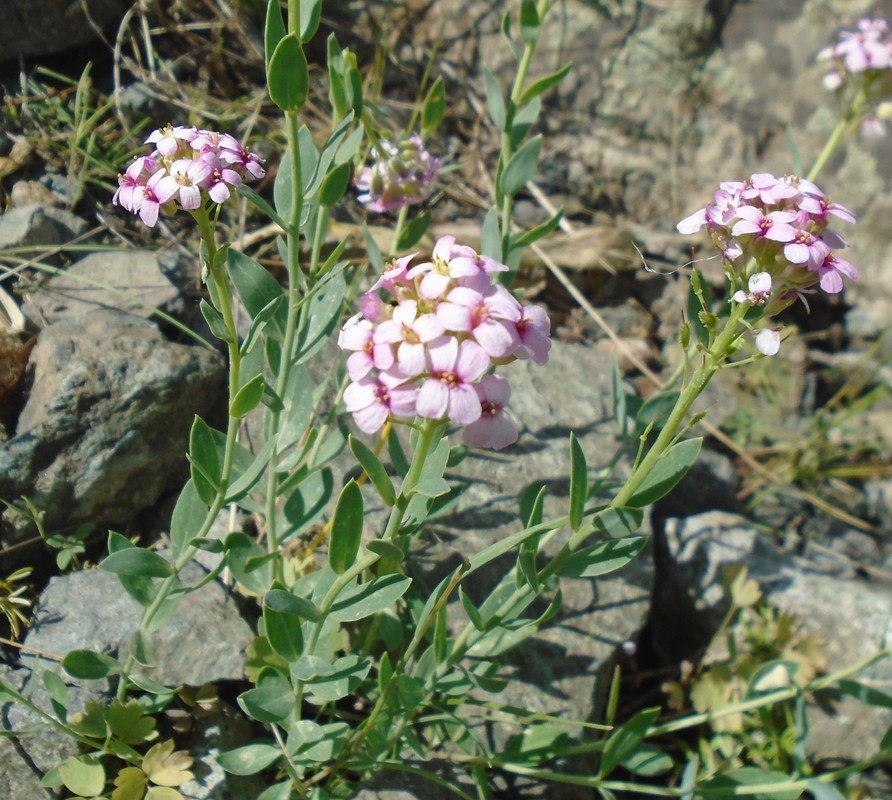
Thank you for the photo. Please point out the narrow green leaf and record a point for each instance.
(522, 167)
(88, 665)
(578, 483)
(284, 602)
(323, 315)
(413, 232)
(260, 203)
(287, 75)
(529, 21)
(386, 550)
(315, 163)
(397, 456)
(375, 258)
(310, 13)
(261, 319)
(434, 107)
(524, 120)
(725, 785)
(255, 286)
(648, 761)
(543, 84)
(495, 100)
(215, 322)
(346, 529)
(532, 500)
(188, 517)
(470, 609)
(282, 189)
(251, 758)
(669, 470)
(540, 231)
(243, 484)
(491, 236)
(623, 742)
(334, 184)
(137, 561)
(618, 523)
(247, 398)
(204, 460)
(58, 693)
(274, 30)
(603, 557)
(369, 598)
(375, 470)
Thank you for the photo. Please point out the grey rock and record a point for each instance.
(102, 435)
(24, 760)
(33, 225)
(135, 281)
(40, 27)
(852, 616)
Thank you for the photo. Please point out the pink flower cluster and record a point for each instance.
(426, 338)
(402, 174)
(187, 167)
(781, 225)
(869, 48)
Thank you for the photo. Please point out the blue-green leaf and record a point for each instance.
(255, 286)
(369, 598)
(434, 107)
(495, 100)
(618, 522)
(669, 470)
(529, 21)
(491, 236)
(247, 398)
(271, 703)
(274, 30)
(204, 460)
(334, 184)
(603, 557)
(310, 13)
(137, 561)
(543, 84)
(88, 665)
(283, 626)
(288, 77)
(624, 741)
(188, 517)
(346, 529)
(578, 483)
(215, 321)
(252, 758)
(413, 232)
(375, 470)
(522, 167)
(725, 785)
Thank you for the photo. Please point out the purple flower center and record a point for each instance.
(382, 395)
(488, 409)
(449, 379)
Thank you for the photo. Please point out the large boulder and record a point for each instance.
(103, 432)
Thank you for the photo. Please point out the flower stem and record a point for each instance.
(839, 133)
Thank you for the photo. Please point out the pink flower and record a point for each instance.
(410, 332)
(159, 189)
(219, 178)
(448, 262)
(489, 318)
(189, 175)
(448, 391)
(357, 337)
(805, 248)
(402, 174)
(394, 275)
(132, 183)
(495, 428)
(831, 271)
(534, 331)
(774, 225)
(167, 140)
(372, 400)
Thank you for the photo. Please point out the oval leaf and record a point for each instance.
(249, 759)
(346, 529)
(288, 76)
(369, 598)
(83, 775)
(137, 561)
(89, 665)
(247, 398)
(267, 703)
(578, 483)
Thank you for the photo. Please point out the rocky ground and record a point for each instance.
(665, 100)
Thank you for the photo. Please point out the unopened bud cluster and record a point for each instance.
(426, 338)
(402, 173)
(188, 168)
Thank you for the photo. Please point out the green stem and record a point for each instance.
(851, 118)
(219, 289)
(398, 231)
(295, 277)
